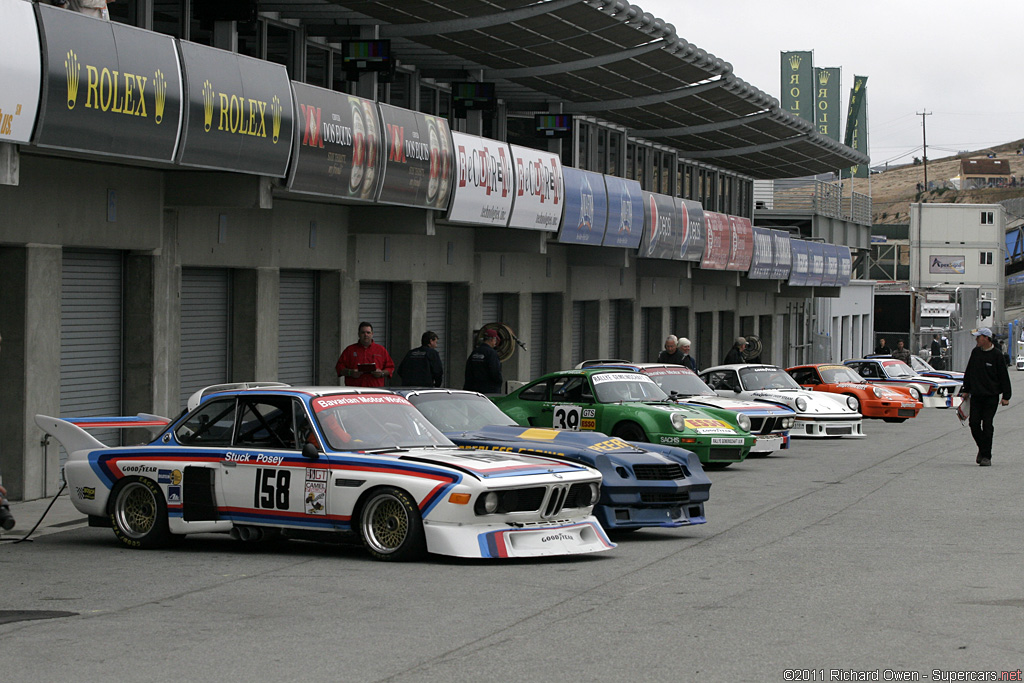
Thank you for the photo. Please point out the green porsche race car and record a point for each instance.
(631, 406)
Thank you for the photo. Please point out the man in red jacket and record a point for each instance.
(365, 364)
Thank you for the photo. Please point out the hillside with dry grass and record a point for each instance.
(893, 190)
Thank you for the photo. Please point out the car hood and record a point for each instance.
(488, 464)
(737, 405)
(817, 402)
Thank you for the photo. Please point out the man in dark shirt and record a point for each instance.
(688, 360)
(882, 348)
(483, 368)
(901, 352)
(422, 366)
(735, 354)
(936, 353)
(984, 380)
(671, 354)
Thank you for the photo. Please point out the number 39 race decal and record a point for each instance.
(573, 418)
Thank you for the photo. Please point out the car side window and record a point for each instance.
(212, 424)
(569, 389)
(723, 379)
(535, 392)
(868, 370)
(266, 422)
(805, 376)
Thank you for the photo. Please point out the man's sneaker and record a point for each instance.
(985, 462)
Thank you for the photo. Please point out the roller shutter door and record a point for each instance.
(205, 328)
(492, 309)
(538, 335)
(91, 338)
(577, 332)
(374, 308)
(297, 317)
(438, 320)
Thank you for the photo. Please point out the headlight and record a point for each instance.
(877, 392)
(790, 421)
(488, 503)
(853, 403)
(915, 393)
(801, 404)
(595, 491)
(743, 421)
(679, 421)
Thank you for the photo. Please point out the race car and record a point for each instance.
(643, 485)
(925, 369)
(891, 404)
(769, 423)
(933, 392)
(817, 414)
(631, 406)
(321, 464)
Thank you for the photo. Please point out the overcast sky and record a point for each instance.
(958, 60)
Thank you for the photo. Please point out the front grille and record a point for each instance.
(665, 498)
(904, 412)
(725, 454)
(764, 425)
(658, 472)
(836, 431)
(523, 500)
(756, 423)
(556, 501)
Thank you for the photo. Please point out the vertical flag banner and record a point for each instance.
(857, 125)
(798, 84)
(827, 108)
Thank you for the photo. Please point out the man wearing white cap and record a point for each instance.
(984, 380)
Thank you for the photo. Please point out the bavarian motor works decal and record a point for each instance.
(316, 491)
(710, 426)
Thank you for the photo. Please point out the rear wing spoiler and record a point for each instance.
(71, 434)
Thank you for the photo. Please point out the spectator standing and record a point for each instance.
(936, 353)
(90, 8)
(483, 367)
(671, 354)
(985, 378)
(365, 363)
(688, 360)
(735, 354)
(422, 366)
(901, 352)
(882, 348)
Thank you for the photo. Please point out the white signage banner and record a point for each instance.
(947, 264)
(483, 184)
(22, 62)
(540, 189)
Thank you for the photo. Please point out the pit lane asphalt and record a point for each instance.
(892, 552)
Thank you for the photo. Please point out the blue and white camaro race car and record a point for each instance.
(643, 485)
(319, 463)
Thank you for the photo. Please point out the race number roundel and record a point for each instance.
(566, 417)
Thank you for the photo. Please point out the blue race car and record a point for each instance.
(643, 484)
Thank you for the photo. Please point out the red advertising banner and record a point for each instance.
(742, 248)
(719, 241)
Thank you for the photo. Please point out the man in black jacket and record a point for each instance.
(735, 354)
(483, 367)
(984, 380)
(422, 366)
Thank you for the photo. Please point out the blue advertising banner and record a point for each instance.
(831, 266)
(696, 229)
(625, 213)
(762, 263)
(663, 229)
(782, 257)
(816, 260)
(845, 266)
(799, 271)
(586, 207)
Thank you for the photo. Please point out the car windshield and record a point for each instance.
(766, 378)
(365, 422)
(459, 412)
(920, 364)
(836, 374)
(679, 382)
(897, 368)
(626, 387)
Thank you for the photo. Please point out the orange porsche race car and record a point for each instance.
(892, 404)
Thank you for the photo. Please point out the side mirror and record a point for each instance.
(737, 389)
(310, 452)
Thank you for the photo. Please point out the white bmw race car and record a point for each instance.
(319, 463)
(817, 413)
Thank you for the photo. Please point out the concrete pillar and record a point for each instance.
(256, 295)
(330, 337)
(30, 308)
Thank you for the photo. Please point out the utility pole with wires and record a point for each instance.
(924, 142)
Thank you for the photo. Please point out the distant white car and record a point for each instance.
(817, 413)
(1020, 362)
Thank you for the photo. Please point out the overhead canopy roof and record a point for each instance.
(603, 58)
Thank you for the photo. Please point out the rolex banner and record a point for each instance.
(827, 107)
(857, 125)
(798, 84)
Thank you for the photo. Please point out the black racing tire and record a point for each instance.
(391, 527)
(630, 431)
(894, 419)
(138, 514)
